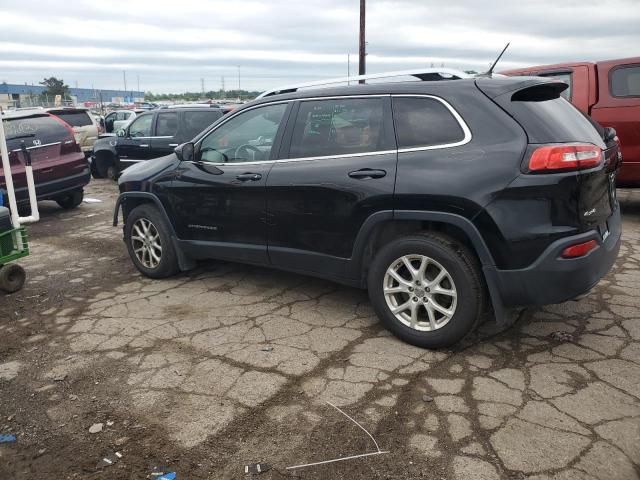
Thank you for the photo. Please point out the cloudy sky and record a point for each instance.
(169, 46)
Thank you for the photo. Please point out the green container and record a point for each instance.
(13, 245)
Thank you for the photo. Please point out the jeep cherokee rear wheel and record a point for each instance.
(427, 290)
(149, 242)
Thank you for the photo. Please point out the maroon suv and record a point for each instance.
(60, 169)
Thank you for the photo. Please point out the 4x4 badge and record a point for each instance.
(590, 212)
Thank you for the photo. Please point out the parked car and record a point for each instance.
(609, 92)
(85, 127)
(151, 135)
(117, 119)
(60, 169)
(440, 197)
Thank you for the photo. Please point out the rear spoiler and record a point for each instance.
(521, 86)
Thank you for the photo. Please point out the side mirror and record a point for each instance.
(120, 132)
(186, 152)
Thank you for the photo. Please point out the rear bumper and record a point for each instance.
(49, 190)
(552, 279)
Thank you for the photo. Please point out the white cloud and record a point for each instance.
(172, 44)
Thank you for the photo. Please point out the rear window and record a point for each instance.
(196, 122)
(625, 81)
(74, 118)
(34, 131)
(549, 118)
(424, 122)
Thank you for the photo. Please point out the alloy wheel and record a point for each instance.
(145, 240)
(420, 292)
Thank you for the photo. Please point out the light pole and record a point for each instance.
(362, 68)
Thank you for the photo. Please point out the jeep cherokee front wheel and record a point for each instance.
(149, 242)
(427, 290)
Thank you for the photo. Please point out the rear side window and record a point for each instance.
(625, 81)
(196, 122)
(74, 118)
(566, 77)
(424, 122)
(34, 131)
(338, 127)
(549, 118)
(167, 124)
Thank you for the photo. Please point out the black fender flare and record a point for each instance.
(184, 261)
(463, 223)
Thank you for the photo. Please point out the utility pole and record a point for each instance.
(348, 68)
(202, 85)
(222, 81)
(138, 78)
(238, 80)
(362, 68)
(124, 77)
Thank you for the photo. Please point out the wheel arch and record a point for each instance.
(386, 226)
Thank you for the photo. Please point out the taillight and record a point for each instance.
(579, 249)
(565, 157)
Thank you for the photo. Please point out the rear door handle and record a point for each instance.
(367, 173)
(254, 177)
(173, 144)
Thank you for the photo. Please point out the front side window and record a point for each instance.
(424, 122)
(247, 137)
(167, 125)
(141, 126)
(338, 127)
(625, 81)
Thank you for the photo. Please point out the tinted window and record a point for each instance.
(246, 137)
(74, 118)
(625, 81)
(196, 122)
(423, 122)
(34, 131)
(167, 124)
(141, 126)
(338, 127)
(548, 118)
(566, 77)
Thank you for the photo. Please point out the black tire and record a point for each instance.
(463, 269)
(106, 167)
(94, 170)
(168, 264)
(12, 277)
(71, 200)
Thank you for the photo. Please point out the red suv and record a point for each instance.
(609, 92)
(60, 169)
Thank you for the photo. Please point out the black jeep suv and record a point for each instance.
(151, 135)
(440, 197)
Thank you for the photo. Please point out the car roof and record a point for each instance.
(67, 109)
(497, 84)
(13, 114)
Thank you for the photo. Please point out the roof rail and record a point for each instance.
(422, 74)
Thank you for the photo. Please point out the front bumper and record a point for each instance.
(552, 279)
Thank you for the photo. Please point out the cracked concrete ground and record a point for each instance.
(229, 365)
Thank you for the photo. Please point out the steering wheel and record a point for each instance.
(246, 147)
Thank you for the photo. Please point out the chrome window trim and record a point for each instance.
(463, 125)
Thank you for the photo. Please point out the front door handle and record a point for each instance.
(254, 177)
(367, 173)
(144, 144)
